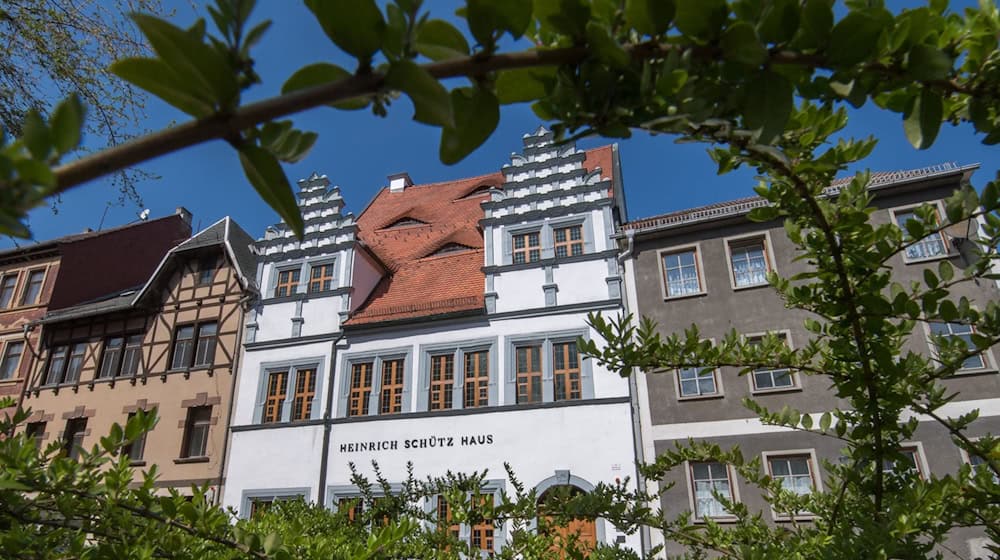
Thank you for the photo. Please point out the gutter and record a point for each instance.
(324, 460)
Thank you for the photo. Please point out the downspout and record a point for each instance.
(327, 425)
(633, 389)
(244, 305)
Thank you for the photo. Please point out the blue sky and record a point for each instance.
(358, 150)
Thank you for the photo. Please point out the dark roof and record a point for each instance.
(109, 304)
(741, 206)
(54, 243)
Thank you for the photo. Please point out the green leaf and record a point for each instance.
(202, 69)
(740, 44)
(323, 73)
(439, 40)
(927, 63)
(825, 420)
(523, 84)
(35, 172)
(356, 26)
(769, 101)
(268, 179)
(763, 214)
(779, 21)
(477, 113)
(922, 121)
(817, 22)
(271, 543)
(701, 19)
(651, 17)
(154, 76)
(488, 16)
(607, 49)
(855, 37)
(7, 484)
(36, 136)
(67, 123)
(431, 102)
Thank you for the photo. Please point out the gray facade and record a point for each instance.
(711, 239)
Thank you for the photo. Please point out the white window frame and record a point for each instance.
(967, 459)
(292, 367)
(765, 237)
(923, 471)
(692, 500)
(272, 494)
(752, 380)
(909, 208)
(376, 357)
(814, 473)
(989, 361)
(546, 340)
(718, 386)
(702, 278)
(458, 350)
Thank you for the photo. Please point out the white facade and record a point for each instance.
(566, 432)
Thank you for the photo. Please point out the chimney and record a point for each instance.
(184, 213)
(399, 181)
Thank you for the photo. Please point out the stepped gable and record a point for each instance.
(406, 229)
(327, 228)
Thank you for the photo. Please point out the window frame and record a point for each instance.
(967, 459)
(569, 242)
(13, 302)
(119, 363)
(490, 487)
(814, 474)
(291, 369)
(546, 238)
(272, 495)
(527, 248)
(718, 394)
(203, 270)
(336, 493)
(919, 458)
(699, 266)
(4, 355)
(36, 431)
(293, 288)
(129, 449)
(546, 340)
(22, 300)
(909, 208)
(792, 374)
(458, 350)
(196, 339)
(989, 361)
(312, 265)
(376, 357)
(69, 447)
(692, 498)
(189, 425)
(743, 240)
(67, 352)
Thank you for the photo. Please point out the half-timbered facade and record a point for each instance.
(459, 351)
(170, 344)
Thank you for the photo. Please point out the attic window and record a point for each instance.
(404, 222)
(450, 248)
(478, 191)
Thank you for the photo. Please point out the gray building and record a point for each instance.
(707, 266)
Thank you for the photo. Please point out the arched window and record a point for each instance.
(579, 534)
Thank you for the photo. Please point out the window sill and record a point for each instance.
(701, 397)
(186, 460)
(750, 286)
(776, 390)
(724, 520)
(971, 373)
(929, 259)
(795, 518)
(11, 381)
(686, 296)
(139, 463)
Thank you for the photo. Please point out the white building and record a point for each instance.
(464, 301)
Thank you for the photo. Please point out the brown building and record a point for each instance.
(170, 345)
(708, 266)
(68, 271)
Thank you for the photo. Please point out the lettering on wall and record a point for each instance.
(432, 442)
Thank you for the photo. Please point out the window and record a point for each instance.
(361, 389)
(749, 261)
(481, 534)
(793, 471)
(256, 505)
(770, 379)
(442, 382)
(477, 379)
(122, 356)
(190, 351)
(697, 382)
(392, 387)
(950, 331)
(681, 274)
(909, 463)
(76, 429)
(352, 507)
(259, 506)
(33, 288)
(321, 278)
(136, 448)
(65, 363)
(206, 270)
(566, 371)
(11, 360)
(932, 246)
(276, 387)
(529, 374)
(305, 391)
(444, 521)
(7, 286)
(527, 247)
(36, 431)
(199, 419)
(288, 282)
(708, 479)
(568, 241)
(978, 465)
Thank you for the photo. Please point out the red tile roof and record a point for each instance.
(419, 282)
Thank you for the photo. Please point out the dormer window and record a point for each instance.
(405, 222)
(477, 192)
(450, 248)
